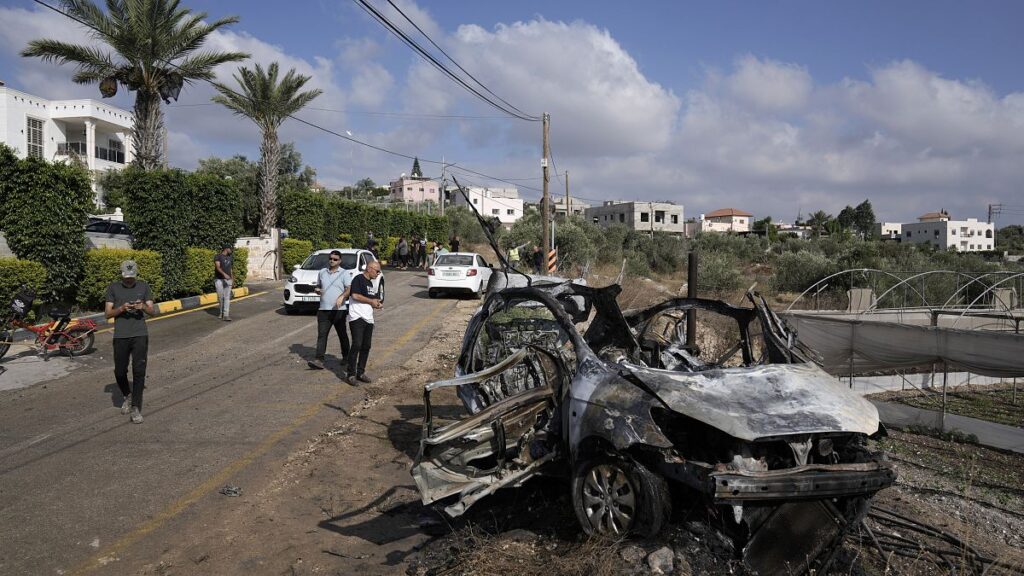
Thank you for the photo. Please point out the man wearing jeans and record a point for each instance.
(331, 285)
(363, 301)
(128, 302)
(224, 279)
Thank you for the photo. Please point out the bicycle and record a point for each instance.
(62, 333)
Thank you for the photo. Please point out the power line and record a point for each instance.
(449, 165)
(384, 21)
(459, 66)
(411, 115)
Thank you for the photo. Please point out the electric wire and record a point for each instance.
(398, 32)
(466, 72)
(449, 165)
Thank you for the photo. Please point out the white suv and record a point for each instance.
(300, 290)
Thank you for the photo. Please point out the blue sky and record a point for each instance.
(772, 107)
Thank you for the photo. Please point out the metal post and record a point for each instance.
(545, 205)
(691, 292)
(945, 374)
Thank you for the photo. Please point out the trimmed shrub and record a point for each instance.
(103, 267)
(386, 247)
(294, 252)
(199, 271)
(241, 266)
(44, 209)
(14, 273)
(216, 211)
(157, 208)
(303, 214)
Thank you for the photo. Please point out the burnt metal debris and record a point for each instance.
(557, 379)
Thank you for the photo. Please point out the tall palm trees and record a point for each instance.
(151, 49)
(267, 101)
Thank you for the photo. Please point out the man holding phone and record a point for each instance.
(128, 303)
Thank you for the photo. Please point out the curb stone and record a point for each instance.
(166, 307)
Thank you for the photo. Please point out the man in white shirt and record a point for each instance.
(362, 302)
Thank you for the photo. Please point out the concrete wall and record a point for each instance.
(262, 256)
(631, 214)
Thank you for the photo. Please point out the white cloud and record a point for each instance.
(770, 85)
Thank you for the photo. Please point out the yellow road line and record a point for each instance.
(103, 558)
(173, 314)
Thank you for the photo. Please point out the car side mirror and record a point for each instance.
(362, 267)
(296, 267)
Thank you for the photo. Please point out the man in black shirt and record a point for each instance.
(363, 301)
(224, 280)
(456, 244)
(128, 302)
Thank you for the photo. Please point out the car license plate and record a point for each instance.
(451, 274)
(307, 298)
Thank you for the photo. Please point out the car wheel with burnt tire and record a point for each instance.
(615, 497)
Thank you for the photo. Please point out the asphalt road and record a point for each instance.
(80, 486)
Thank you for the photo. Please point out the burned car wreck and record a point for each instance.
(556, 379)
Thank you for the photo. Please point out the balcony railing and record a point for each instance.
(79, 148)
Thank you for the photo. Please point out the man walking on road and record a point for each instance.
(224, 280)
(331, 285)
(403, 253)
(364, 300)
(128, 301)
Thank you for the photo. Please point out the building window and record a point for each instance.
(908, 233)
(953, 231)
(495, 211)
(474, 201)
(675, 219)
(988, 233)
(622, 218)
(659, 216)
(510, 212)
(34, 137)
(743, 220)
(645, 217)
(408, 189)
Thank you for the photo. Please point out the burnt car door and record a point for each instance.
(516, 363)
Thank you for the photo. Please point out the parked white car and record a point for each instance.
(300, 290)
(459, 272)
(107, 234)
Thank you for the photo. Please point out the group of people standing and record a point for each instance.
(535, 259)
(412, 253)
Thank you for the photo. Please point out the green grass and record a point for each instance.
(990, 405)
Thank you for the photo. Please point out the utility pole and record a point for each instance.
(444, 185)
(568, 203)
(545, 205)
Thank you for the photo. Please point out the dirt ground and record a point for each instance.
(346, 504)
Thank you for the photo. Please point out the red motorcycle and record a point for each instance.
(73, 337)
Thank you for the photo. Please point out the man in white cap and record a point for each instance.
(128, 302)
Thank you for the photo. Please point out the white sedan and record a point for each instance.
(459, 272)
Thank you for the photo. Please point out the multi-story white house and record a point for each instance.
(641, 216)
(502, 203)
(726, 220)
(97, 134)
(937, 229)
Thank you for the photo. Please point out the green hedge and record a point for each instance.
(241, 266)
(14, 273)
(294, 252)
(103, 266)
(43, 210)
(326, 220)
(216, 211)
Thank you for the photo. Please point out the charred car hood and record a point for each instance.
(771, 400)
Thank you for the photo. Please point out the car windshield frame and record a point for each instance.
(321, 260)
(465, 260)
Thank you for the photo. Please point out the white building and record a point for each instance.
(415, 189)
(937, 229)
(97, 134)
(577, 206)
(726, 220)
(888, 230)
(641, 216)
(502, 203)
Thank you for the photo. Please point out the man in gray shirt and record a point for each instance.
(128, 302)
(332, 286)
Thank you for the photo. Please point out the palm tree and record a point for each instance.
(150, 49)
(267, 101)
(818, 221)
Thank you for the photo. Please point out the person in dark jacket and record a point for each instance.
(538, 260)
